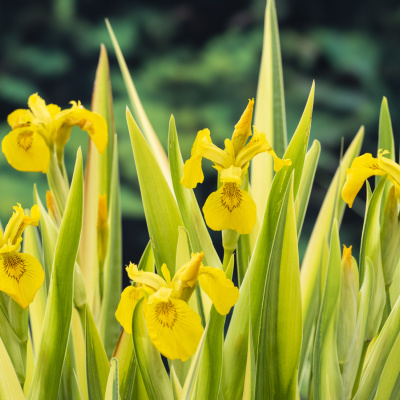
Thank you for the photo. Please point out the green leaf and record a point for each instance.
(235, 347)
(389, 383)
(281, 323)
(190, 211)
(377, 358)
(10, 387)
(209, 373)
(249, 391)
(112, 392)
(176, 386)
(306, 182)
(160, 208)
(269, 115)
(187, 390)
(57, 322)
(332, 206)
(155, 377)
(353, 359)
(31, 245)
(139, 112)
(127, 363)
(371, 247)
(109, 326)
(102, 104)
(97, 367)
(386, 140)
(13, 333)
(325, 358)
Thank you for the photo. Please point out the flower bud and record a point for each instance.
(348, 304)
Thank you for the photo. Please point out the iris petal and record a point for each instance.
(230, 208)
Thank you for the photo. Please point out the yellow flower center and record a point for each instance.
(25, 140)
(231, 196)
(14, 267)
(166, 314)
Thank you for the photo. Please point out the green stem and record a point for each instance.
(360, 367)
(227, 257)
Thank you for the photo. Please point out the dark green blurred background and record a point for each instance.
(200, 61)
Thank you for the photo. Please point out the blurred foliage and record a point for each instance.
(200, 61)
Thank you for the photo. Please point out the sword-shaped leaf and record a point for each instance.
(57, 321)
(160, 208)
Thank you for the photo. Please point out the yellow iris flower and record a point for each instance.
(230, 207)
(364, 167)
(174, 328)
(42, 128)
(21, 275)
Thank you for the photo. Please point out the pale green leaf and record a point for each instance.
(332, 206)
(139, 112)
(306, 182)
(281, 323)
(10, 387)
(269, 114)
(57, 322)
(97, 367)
(112, 392)
(377, 357)
(160, 208)
(109, 326)
(235, 347)
(327, 381)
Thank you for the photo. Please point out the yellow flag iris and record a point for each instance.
(41, 129)
(174, 328)
(21, 275)
(364, 167)
(230, 207)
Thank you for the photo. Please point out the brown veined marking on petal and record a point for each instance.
(14, 267)
(231, 196)
(166, 314)
(25, 140)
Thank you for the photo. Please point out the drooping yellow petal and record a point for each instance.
(21, 275)
(146, 278)
(360, 170)
(174, 328)
(243, 128)
(129, 298)
(94, 124)
(192, 173)
(230, 208)
(218, 288)
(26, 150)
